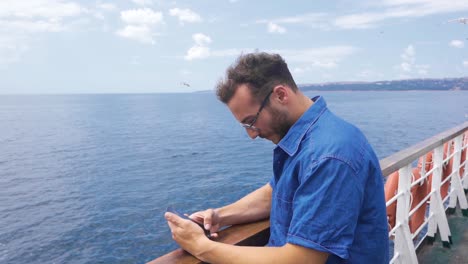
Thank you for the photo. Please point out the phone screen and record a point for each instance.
(174, 211)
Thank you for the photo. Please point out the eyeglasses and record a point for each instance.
(251, 124)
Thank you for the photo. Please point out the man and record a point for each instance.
(325, 200)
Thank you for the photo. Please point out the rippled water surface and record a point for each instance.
(86, 178)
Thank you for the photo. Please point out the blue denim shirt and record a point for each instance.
(328, 190)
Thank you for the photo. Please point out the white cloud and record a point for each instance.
(28, 26)
(143, 2)
(390, 9)
(400, 9)
(308, 18)
(328, 57)
(299, 70)
(358, 21)
(11, 49)
(229, 52)
(185, 15)
(139, 33)
(37, 9)
(141, 24)
(422, 69)
(457, 43)
(35, 16)
(197, 52)
(275, 28)
(368, 75)
(408, 65)
(200, 50)
(408, 55)
(107, 6)
(201, 39)
(428, 6)
(145, 16)
(465, 63)
(101, 10)
(314, 20)
(22, 21)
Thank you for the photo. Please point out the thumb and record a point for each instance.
(173, 218)
(208, 220)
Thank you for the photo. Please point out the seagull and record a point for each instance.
(461, 20)
(186, 84)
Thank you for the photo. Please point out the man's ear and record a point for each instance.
(281, 94)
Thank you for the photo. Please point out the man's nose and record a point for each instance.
(253, 133)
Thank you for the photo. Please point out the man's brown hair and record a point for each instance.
(260, 71)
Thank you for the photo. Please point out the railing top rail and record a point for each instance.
(255, 233)
(406, 156)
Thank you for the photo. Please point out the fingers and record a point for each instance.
(204, 217)
(197, 217)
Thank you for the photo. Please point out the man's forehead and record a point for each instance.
(242, 104)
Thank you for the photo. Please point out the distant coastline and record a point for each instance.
(444, 84)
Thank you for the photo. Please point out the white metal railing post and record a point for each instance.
(435, 219)
(436, 205)
(465, 176)
(404, 245)
(457, 193)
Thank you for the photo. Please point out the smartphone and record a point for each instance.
(174, 211)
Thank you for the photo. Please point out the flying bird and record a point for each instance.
(461, 20)
(186, 84)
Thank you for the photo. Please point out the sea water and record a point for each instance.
(87, 178)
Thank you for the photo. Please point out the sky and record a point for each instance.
(155, 46)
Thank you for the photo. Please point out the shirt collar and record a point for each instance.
(290, 142)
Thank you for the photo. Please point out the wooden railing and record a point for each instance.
(257, 234)
(253, 234)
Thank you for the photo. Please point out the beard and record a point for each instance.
(280, 123)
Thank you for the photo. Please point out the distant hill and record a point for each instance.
(397, 85)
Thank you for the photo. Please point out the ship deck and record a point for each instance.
(458, 251)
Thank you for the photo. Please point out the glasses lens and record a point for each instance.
(251, 124)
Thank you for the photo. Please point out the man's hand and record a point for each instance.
(209, 219)
(186, 233)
